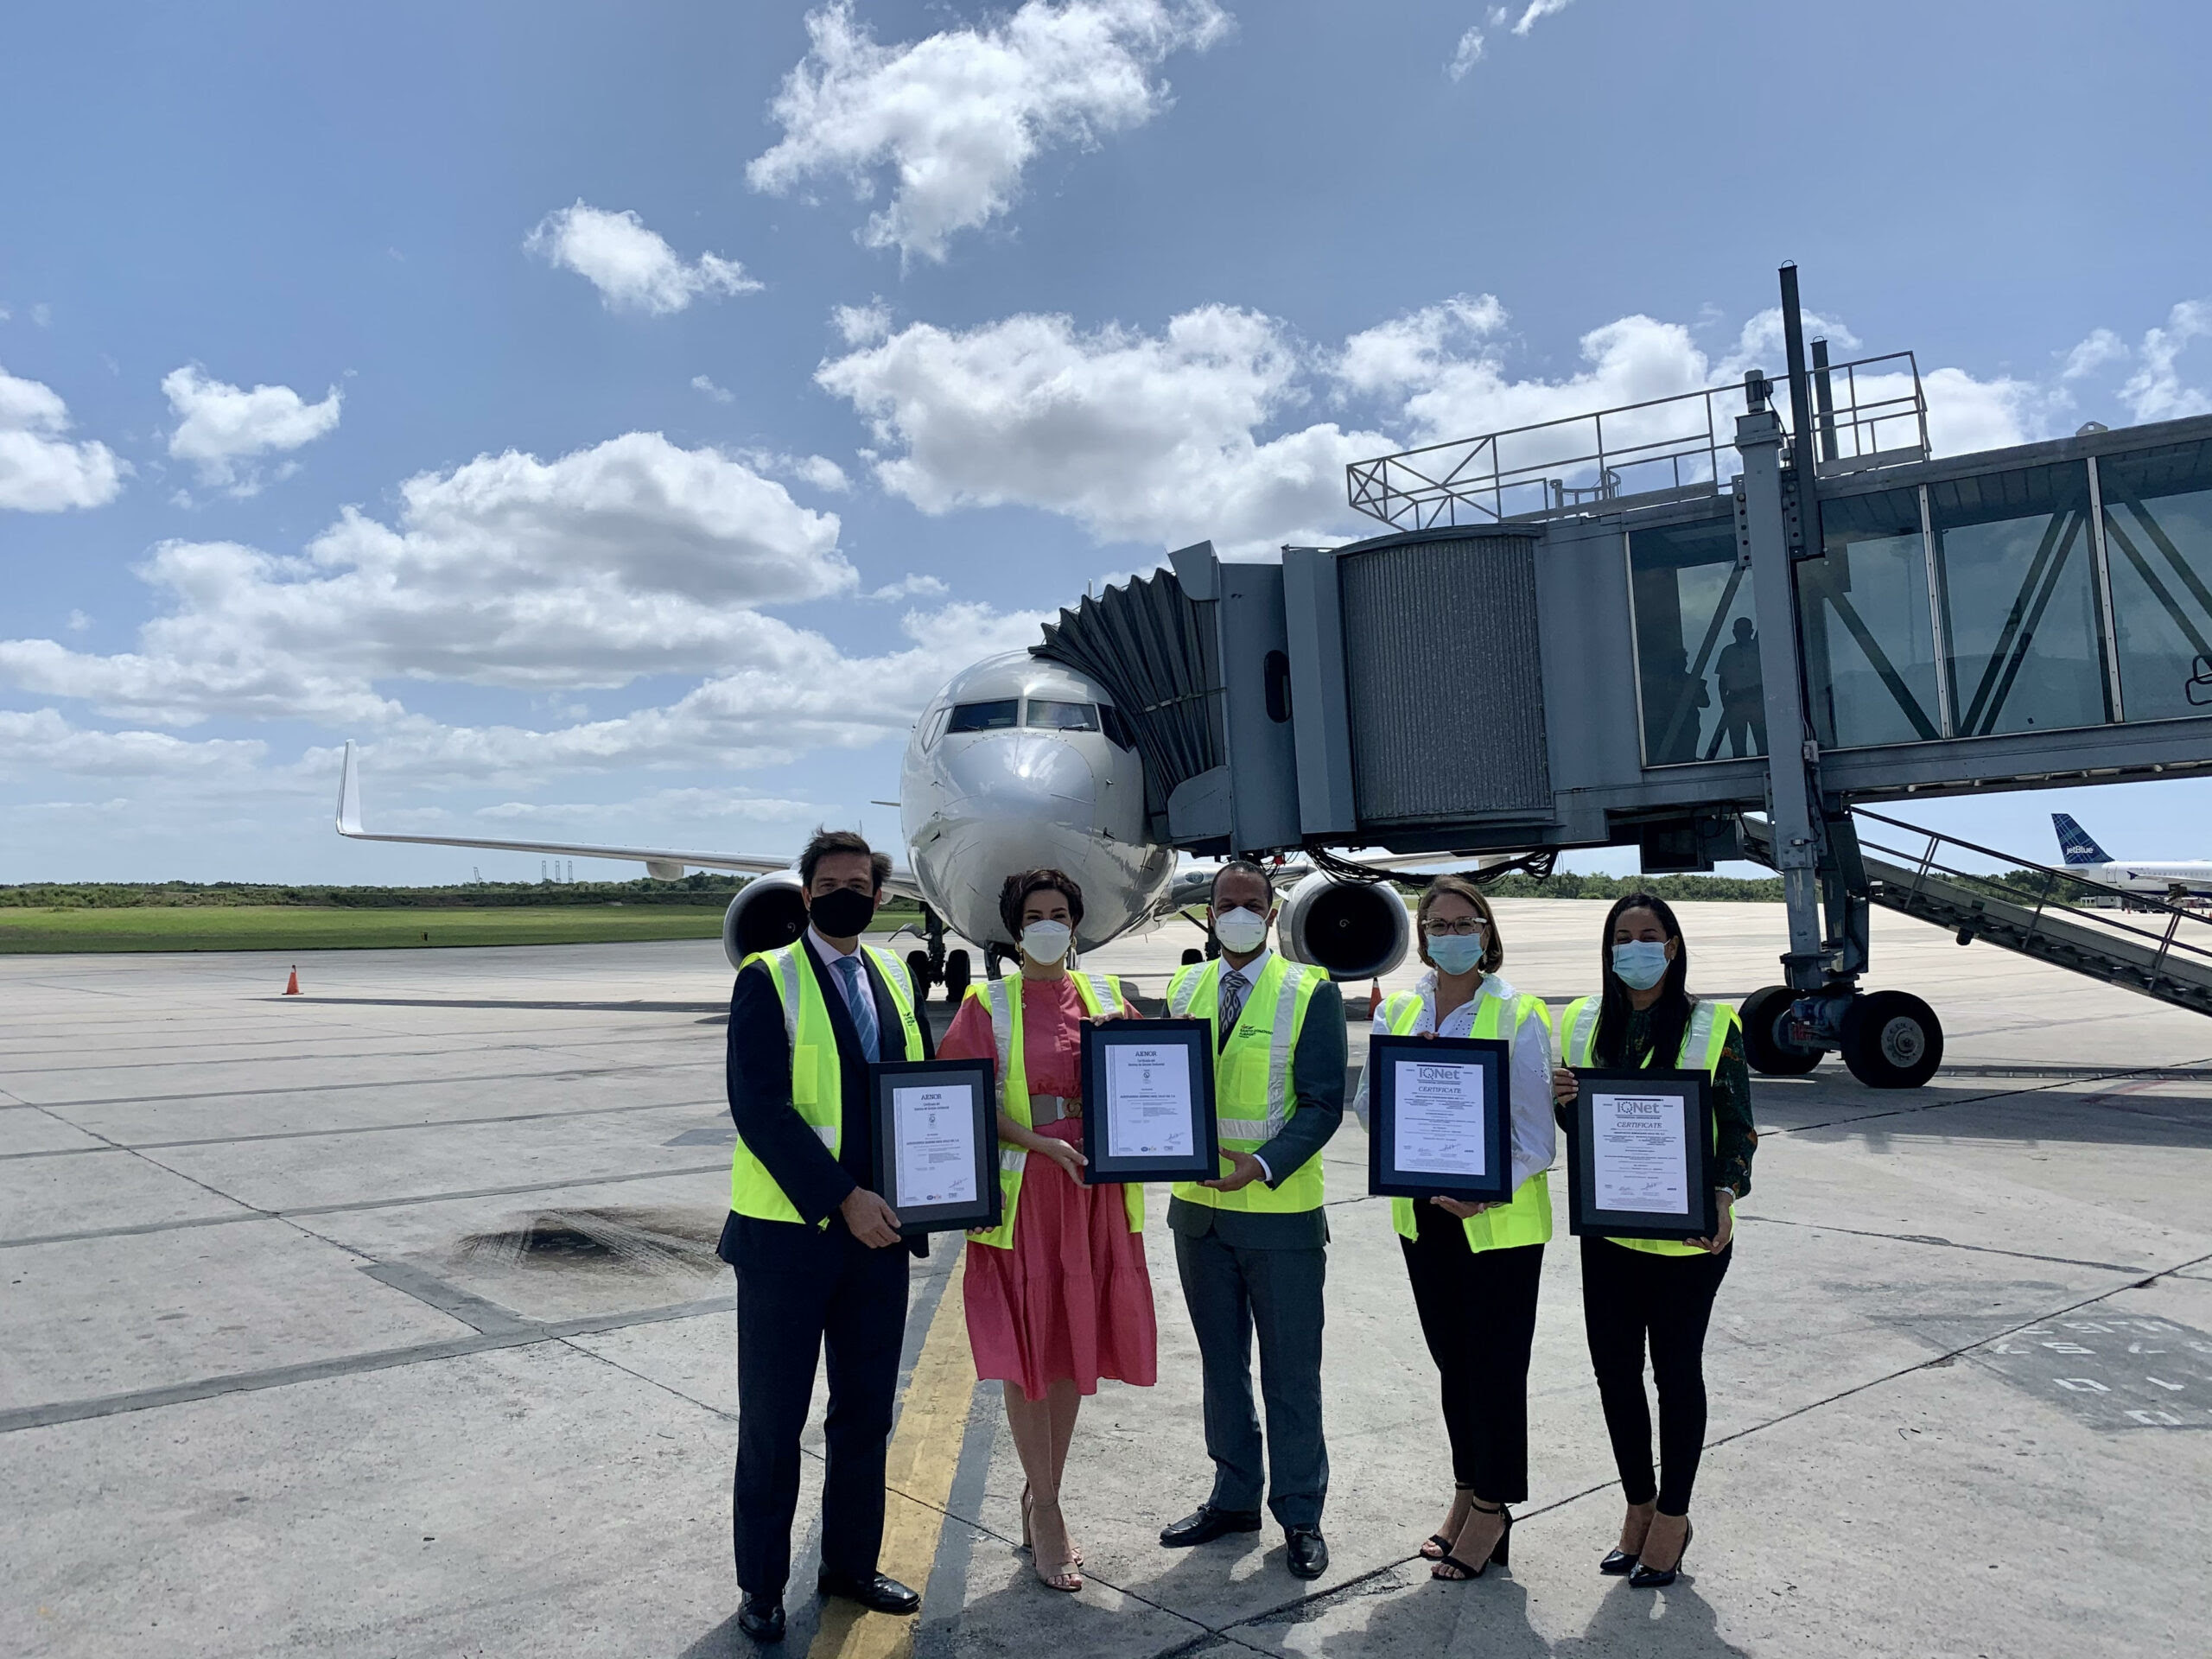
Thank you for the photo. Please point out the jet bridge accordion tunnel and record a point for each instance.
(1780, 632)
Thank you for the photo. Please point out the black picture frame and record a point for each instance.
(1584, 1214)
(1194, 1039)
(1385, 1178)
(981, 1206)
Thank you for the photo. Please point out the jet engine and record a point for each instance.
(768, 913)
(1356, 930)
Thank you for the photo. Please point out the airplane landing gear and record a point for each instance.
(1889, 1039)
(956, 974)
(1767, 1017)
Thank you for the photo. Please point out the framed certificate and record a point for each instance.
(1436, 1111)
(1640, 1155)
(936, 1143)
(1147, 1101)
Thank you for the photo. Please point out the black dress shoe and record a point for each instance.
(1309, 1552)
(1208, 1524)
(877, 1592)
(762, 1617)
(1617, 1561)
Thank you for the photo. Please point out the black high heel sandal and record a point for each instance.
(1648, 1578)
(1499, 1552)
(1443, 1544)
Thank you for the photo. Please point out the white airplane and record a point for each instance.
(1017, 763)
(2164, 878)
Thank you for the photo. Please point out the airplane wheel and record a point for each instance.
(1765, 1043)
(1891, 1040)
(919, 969)
(956, 975)
(1192, 954)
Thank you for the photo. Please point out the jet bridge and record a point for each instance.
(1637, 626)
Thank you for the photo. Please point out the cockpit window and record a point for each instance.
(994, 716)
(1062, 716)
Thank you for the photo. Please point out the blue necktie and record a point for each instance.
(860, 998)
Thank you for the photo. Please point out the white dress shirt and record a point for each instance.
(831, 955)
(1528, 1104)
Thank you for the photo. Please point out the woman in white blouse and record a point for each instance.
(1475, 1266)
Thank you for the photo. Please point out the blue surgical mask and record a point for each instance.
(1455, 953)
(1640, 963)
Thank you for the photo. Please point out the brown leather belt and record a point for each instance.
(1051, 1108)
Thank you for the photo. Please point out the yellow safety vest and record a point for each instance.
(1253, 1093)
(1528, 1218)
(817, 1078)
(1098, 991)
(1703, 1039)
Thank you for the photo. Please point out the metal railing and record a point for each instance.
(1664, 448)
(2143, 956)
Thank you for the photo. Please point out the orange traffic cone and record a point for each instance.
(1374, 997)
(292, 985)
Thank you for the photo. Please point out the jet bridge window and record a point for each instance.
(1061, 716)
(2158, 545)
(1868, 630)
(2015, 555)
(1697, 653)
(994, 716)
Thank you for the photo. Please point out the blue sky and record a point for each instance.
(621, 419)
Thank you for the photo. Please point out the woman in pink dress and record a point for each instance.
(1057, 1296)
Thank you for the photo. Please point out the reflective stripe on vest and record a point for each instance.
(1098, 991)
(1527, 1219)
(1253, 1099)
(1703, 1039)
(817, 1076)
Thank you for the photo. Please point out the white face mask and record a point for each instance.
(1241, 930)
(1047, 943)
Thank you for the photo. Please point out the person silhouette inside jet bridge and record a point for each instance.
(1742, 696)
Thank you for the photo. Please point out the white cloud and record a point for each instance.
(911, 586)
(720, 394)
(2099, 347)
(41, 471)
(633, 556)
(1537, 11)
(956, 117)
(1465, 55)
(2154, 392)
(43, 739)
(631, 266)
(1137, 436)
(220, 425)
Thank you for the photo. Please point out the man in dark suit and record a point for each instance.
(818, 1253)
(1251, 1245)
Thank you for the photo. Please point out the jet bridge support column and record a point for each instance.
(1791, 784)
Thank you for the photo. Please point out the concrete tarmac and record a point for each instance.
(385, 1320)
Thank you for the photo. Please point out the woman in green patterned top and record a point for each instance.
(1638, 1289)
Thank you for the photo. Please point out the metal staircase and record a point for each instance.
(2150, 945)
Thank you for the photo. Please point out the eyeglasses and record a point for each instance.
(1465, 927)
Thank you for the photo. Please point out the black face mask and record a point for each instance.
(842, 914)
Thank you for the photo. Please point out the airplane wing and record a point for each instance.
(662, 864)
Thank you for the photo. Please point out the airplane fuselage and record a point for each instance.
(1018, 764)
(2189, 875)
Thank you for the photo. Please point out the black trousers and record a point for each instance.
(1629, 1296)
(802, 1291)
(1479, 1312)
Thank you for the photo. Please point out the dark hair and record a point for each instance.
(1670, 1014)
(831, 844)
(1241, 867)
(1493, 947)
(1015, 893)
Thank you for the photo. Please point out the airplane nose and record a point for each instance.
(1019, 773)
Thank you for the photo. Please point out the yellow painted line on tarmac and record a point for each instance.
(925, 1454)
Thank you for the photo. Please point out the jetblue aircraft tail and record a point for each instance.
(2076, 843)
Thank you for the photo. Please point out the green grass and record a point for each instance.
(266, 927)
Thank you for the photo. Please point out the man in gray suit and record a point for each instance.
(1251, 1245)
